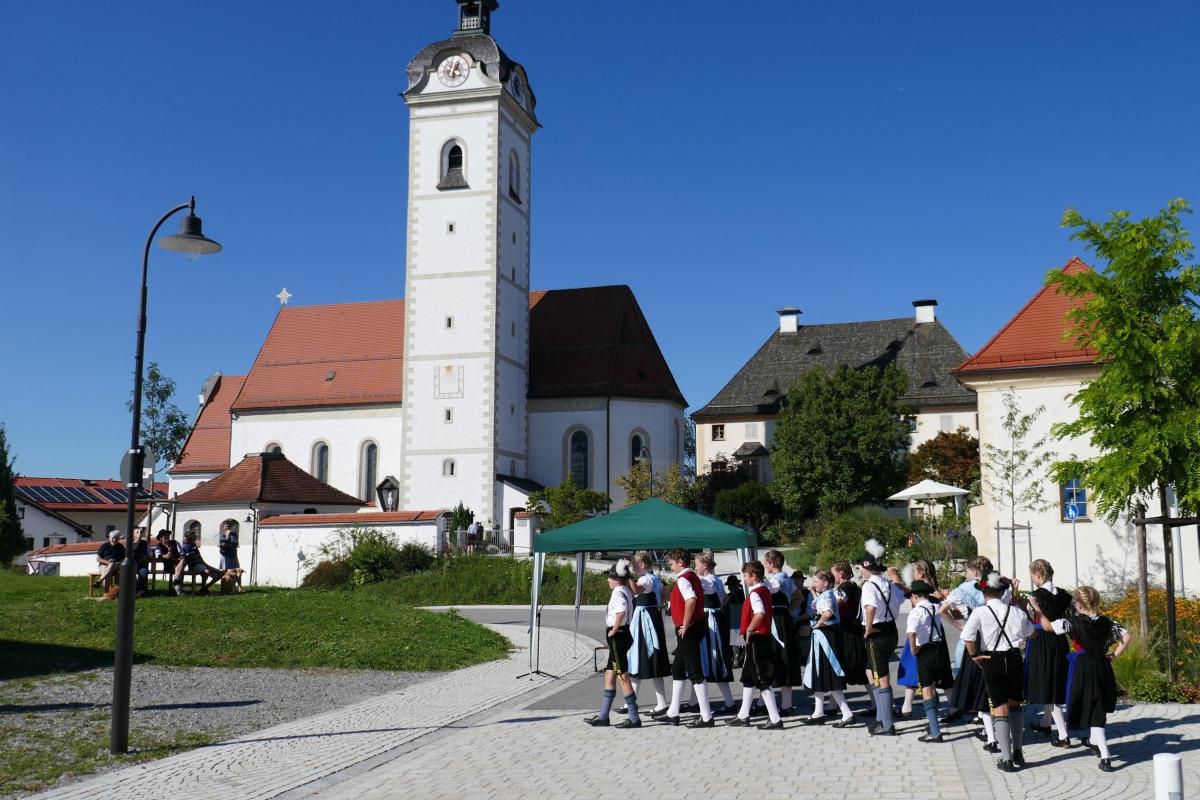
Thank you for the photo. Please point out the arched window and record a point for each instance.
(637, 443)
(448, 468)
(368, 470)
(320, 462)
(514, 176)
(453, 172)
(233, 525)
(192, 526)
(578, 459)
(274, 447)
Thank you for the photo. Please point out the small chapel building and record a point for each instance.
(473, 388)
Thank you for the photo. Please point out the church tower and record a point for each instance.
(466, 318)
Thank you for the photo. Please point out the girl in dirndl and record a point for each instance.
(787, 670)
(824, 673)
(716, 653)
(648, 652)
(616, 620)
(1093, 694)
(1046, 654)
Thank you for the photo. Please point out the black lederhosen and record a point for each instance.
(933, 659)
(757, 671)
(1003, 672)
(686, 663)
(618, 650)
(881, 645)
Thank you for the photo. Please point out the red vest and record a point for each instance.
(764, 594)
(678, 603)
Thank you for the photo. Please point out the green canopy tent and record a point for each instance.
(649, 525)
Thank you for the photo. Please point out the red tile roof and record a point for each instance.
(207, 446)
(372, 518)
(1038, 336)
(265, 477)
(348, 354)
(595, 342)
(78, 494)
(68, 549)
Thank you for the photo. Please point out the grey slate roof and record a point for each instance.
(926, 352)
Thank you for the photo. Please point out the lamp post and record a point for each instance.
(192, 243)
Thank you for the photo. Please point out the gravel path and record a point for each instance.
(203, 702)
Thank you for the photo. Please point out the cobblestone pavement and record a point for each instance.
(478, 733)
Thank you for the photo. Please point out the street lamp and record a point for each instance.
(643, 457)
(192, 242)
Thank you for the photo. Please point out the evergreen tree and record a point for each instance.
(840, 441)
(12, 537)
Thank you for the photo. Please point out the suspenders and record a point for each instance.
(936, 632)
(1003, 633)
(887, 601)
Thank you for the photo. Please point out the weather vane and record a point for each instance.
(284, 296)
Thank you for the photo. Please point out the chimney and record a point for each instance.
(789, 319)
(925, 310)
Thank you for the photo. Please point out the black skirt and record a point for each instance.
(822, 677)
(854, 657)
(933, 666)
(1046, 668)
(1093, 693)
(656, 664)
(618, 651)
(781, 625)
(797, 650)
(968, 695)
(718, 664)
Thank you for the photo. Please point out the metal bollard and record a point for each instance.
(1168, 776)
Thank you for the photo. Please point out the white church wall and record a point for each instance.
(185, 482)
(345, 430)
(1107, 558)
(286, 553)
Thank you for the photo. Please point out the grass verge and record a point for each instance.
(487, 580)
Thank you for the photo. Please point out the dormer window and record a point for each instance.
(453, 167)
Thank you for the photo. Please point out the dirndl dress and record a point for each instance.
(1046, 653)
(782, 640)
(854, 653)
(715, 653)
(648, 652)
(1093, 694)
(906, 675)
(969, 694)
(824, 671)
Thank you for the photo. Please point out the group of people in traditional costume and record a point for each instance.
(829, 632)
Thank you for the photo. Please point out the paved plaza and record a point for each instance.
(483, 733)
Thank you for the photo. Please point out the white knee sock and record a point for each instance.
(747, 700)
(1060, 721)
(843, 706)
(1098, 738)
(702, 700)
(677, 691)
(772, 708)
(909, 693)
(989, 726)
(818, 705)
(726, 694)
(660, 693)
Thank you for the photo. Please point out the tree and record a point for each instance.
(951, 457)
(461, 517)
(722, 473)
(164, 427)
(12, 537)
(1015, 471)
(689, 447)
(566, 503)
(1142, 412)
(671, 485)
(840, 440)
(749, 504)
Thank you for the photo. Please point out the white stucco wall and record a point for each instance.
(932, 421)
(1107, 558)
(738, 431)
(74, 565)
(185, 482)
(39, 526)
(287, 553)
(346, 430)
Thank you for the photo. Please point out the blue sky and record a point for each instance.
(723, 159)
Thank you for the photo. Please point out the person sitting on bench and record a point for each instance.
(110, 555)
(193, 564)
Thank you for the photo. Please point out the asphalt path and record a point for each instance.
(584, 694)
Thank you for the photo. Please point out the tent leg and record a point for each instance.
(535, 621)
(580, 562)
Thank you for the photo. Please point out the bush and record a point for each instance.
(329, 575)
(1187, 622)
(1136, 662)
(748, 504)
(412, 557)
(840, 537)
(1155, 687)
(477, 579)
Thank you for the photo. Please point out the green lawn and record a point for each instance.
(48, 625)
(487, 580)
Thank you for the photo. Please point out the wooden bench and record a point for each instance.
(93, 579)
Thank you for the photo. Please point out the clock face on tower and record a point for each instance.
(453, 71)
(517, 88)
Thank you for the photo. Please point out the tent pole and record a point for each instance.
(535, 621)
(580, 560)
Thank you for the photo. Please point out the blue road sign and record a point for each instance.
(1072, 511)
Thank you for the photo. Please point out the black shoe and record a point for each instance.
(1064, 743)
(931, 739)
(658, 713)
(1006, 766)
(873, 726)
(725, 711)
(981, 735)
(882, 731)
(814, 720)
(629, 723)
(597, 722)
(1044, 730)
(669, 719)
(1019, 757)
(711, 722)
(848, 722)
(991, 747)
(738, 722)
(1106, 765)
(951, 718)
(771, 726)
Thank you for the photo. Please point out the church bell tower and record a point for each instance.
(466, 316)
